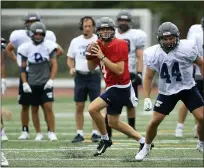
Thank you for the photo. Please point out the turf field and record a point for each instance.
(169, 151)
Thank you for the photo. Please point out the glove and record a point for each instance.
(137, 78)
(3, 85)
(49, 84)
(147, 104)
(26, 88)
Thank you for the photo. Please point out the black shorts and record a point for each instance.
(23, 98)
(40, 96)
(200, 86)
(116, 98)
(191, 98)
(87, 84)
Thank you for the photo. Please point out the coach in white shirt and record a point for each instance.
(86, 82)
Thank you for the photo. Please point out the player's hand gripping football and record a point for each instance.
(96, 51)
(147, 104)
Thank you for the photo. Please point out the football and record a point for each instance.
(89, 53)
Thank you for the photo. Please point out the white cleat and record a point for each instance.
(24, 135)
(200, 146)
(4, 161)
(142, 154)
(179, 132)
(4, 137)
(48, 134)
(52, 136)
(39, 137)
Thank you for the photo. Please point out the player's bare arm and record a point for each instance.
(139, 55)
(9, 51)
(53, 62)
(200, 63)
(3, 73)
(149, 75)
(70, 64)
(23, 69)
(117, 68)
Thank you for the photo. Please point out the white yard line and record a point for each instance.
(106, 159)
(127, 142)
(40, 150)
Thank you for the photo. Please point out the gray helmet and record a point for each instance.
(31, 17)
(168, 29)
(37, 27)
(124, 15)
(3, 43)
(105, 22)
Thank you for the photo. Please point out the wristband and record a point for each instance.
(103, 58)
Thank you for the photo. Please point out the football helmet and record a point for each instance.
(35, 28)
(3, 43)
(126, 16)
(105, 22)
(31, 17)
(168, 29)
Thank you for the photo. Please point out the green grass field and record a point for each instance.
(169, 151)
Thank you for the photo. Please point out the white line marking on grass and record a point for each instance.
(106, 159)
(126, 142)
(83, 148)
(74, 133)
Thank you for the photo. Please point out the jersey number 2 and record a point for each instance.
(128, 41)
(103, 69)
(175, 71)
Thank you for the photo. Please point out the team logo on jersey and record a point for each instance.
(158, 103)
(50, 95)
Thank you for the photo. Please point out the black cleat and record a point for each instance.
(142, 145)
(95, 138)
(78, 138)
(103, 145)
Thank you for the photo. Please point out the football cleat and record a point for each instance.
(103, 145)
(142, 145)
(4, 137)
(39, 137)
(53, 136)
(78, 138)
(200, 146)
(24, 135)
(4, 161)
(95, 138)
(142, 154)
(179, 132)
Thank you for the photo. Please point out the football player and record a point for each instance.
(112, 56)
(173, 59)
(4, 112)
(39, 55)
(17, 38)
(136, 39)
(195, 33)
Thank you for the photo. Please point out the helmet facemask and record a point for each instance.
(106, 33)
(168, 42)
(37, 37)
(124, 24)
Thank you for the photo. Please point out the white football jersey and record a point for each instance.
(175, 69)
(136, 39)
(77, 50)
(194, 29)
(18, 37)
(199, 43)
(36, 53)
